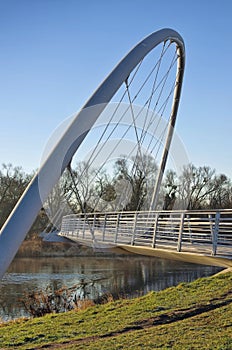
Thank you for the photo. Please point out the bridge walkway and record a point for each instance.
(191, 235)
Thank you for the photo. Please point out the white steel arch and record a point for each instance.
(22, 217)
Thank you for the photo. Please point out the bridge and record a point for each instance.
(195, 236)
(132, 113)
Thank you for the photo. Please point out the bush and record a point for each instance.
(40, 303)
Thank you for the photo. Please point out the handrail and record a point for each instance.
(202, 231)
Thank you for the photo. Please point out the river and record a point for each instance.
(128, 275)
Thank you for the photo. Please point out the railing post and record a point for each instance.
(92, 228)
(189, 228)
(104, 227)
(215, 230)
(155, 230)
(179, 244)
(117, 227)
(83, 226)
(94, 220)
(134, 229)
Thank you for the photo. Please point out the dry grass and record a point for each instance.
(36, 247)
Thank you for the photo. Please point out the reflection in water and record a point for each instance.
(131, 275)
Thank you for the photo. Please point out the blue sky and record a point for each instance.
(54, 54)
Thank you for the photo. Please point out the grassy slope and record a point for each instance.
(195, 315)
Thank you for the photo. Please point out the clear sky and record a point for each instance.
(54, 54)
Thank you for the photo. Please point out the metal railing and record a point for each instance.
(204, 232)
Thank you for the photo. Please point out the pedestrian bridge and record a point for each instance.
(194, 236)
(133, 111)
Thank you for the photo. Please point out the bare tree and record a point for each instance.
(87, 185)
(140, 174)
(58, 201)
(169, 191)
(13, 181)
(222, 195)
(197, 188)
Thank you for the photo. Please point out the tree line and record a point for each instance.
(127, 185)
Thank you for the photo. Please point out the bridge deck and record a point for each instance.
(178, 234)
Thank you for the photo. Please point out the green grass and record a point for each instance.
(195, 315)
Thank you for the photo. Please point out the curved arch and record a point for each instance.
(26, 210)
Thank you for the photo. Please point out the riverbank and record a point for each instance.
(36, 247)
(193, 315)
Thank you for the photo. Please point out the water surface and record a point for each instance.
(130, 275)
